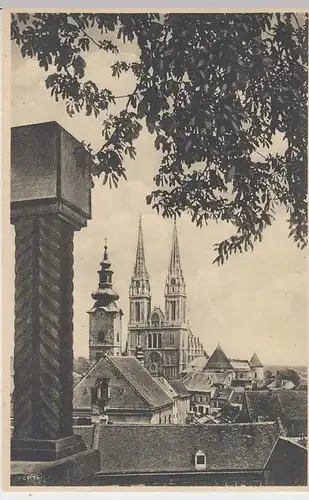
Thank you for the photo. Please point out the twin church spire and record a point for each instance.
(140, 269)
(140, 291)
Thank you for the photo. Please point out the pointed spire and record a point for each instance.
(255, 362)
(105, 293)
(175, 266)
(218, 360)
(140, 270)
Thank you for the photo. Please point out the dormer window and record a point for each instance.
(200, 460)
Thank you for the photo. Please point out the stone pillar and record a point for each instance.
(50, 199)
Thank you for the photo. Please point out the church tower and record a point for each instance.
(105, 318)
(139, 292)
(175, 287)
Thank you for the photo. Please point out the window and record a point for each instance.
(155, 320)
(137, 311)
(200, 460)
(118, 337)
(101, 336)
(149, 340)
(159, 340)
(173, 315)
(103, 390)
(154, 341)
(170, 419)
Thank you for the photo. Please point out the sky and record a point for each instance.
(255, 302)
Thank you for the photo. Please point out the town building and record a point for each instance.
(286, 407)
(227, 372)
(287, 464)
(205, 455)
(118, 389)
(181, 399)
(105, 317)
(165, 337)
(201, 390)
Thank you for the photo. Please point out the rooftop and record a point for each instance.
(198, 382)
(218, 360)
(135, 376)
(179, 387)
(171, 448)
(269, 405)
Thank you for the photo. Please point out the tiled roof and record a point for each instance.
(166, 386)
(260, 404)
(237, 398)
(222, 394)
(198, 381)
(141, 379)
(197, 365)
(240, 365)
(218, 360)
(255, 362)
(171, 448)
(289, 404)
(293, 404)
(179, 387)
(139, 389)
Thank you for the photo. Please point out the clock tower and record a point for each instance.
(105, 317)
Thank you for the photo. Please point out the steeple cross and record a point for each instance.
(105, 242)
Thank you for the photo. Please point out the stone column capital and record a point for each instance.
(50, 174)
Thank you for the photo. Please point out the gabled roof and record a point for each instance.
(167, 387)
(260, 404)
(141, 379)
(218, 360)
(171, 448)
(255, 362)
(198, 382)
(197, 365)
(293, 404)
(146, 392)
(286, 404)
(179, 387)
(240, 365)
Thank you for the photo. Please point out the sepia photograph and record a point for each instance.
(156, 287)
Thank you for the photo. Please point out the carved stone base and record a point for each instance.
(46, 450)
(70, 471)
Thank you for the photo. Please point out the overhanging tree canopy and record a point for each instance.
(213, 90)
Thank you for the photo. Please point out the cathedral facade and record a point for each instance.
(164, 337)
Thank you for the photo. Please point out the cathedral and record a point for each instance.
(164, 338)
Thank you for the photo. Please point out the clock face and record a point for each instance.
(137, 283)
(173, 281)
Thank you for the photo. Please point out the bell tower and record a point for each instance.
(175, 287)
(139, 291)
(105, 317)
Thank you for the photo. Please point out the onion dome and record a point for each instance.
(105, 293)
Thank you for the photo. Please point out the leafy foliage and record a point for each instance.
(81, 365)
(289, 374)
(213, 90)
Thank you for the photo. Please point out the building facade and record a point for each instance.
(118, 389)
(105, 317)
(165, 337)
(229, 372)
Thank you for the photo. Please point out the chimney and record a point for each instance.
(139, 354)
